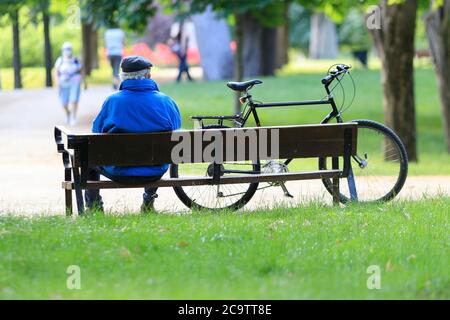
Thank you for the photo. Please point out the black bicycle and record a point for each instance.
(378, 171)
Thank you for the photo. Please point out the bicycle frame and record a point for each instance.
(241, 119)
(333, 114)
(280, 165)
(253, 106)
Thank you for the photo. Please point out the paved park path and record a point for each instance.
(31, 169)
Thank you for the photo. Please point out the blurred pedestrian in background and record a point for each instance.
(114, 43)
(179, 46)
(68, 77)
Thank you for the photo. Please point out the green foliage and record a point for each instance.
(421, 40)
(36, 8)
(308, 252)
(271, 15)
(268, 12)
(394, 2)
(353, 33)
(437, 4)
(32, 42)
(299, 27)
(7, 7)
(336, 9)
(128, 14)
(10, 8)
(226, 6)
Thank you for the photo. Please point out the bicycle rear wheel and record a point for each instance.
(214, 197)
(379, 169)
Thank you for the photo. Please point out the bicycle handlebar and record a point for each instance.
(340, 69)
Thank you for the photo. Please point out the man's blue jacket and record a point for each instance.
(137, 107)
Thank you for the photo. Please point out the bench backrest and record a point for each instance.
(140, 149)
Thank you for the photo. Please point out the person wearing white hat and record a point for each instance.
(68, 76)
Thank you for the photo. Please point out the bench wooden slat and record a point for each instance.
(198, 181)
(143, 149)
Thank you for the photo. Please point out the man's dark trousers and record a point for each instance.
(93, 198)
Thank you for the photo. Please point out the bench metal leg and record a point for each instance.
(78, 191)
(335, 182)
(68, 198)
(68, 193)
(352, 185)
(335, 191)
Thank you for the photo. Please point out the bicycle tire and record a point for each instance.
(403, 172)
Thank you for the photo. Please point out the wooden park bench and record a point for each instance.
(82, 151)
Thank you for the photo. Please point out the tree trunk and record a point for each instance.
(324, 39)
(239, 57)
(283, 40)
(269, 51)
(260, 48)
(395, 45)
(47, 50)
(257, 48)
(89, 48)
(282, 46)
(213, 41)
(16, 52)
(158, 27)
(86, 49)
(252, 39)
(438, 32)
(94, 49)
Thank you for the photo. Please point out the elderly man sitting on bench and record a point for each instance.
(138, 107)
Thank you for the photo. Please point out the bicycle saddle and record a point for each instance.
(243, 86)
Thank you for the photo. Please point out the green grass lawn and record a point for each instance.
(306, 252)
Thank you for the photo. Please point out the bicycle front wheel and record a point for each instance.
(379, 169)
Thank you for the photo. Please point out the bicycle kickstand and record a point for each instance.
(285, 190)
